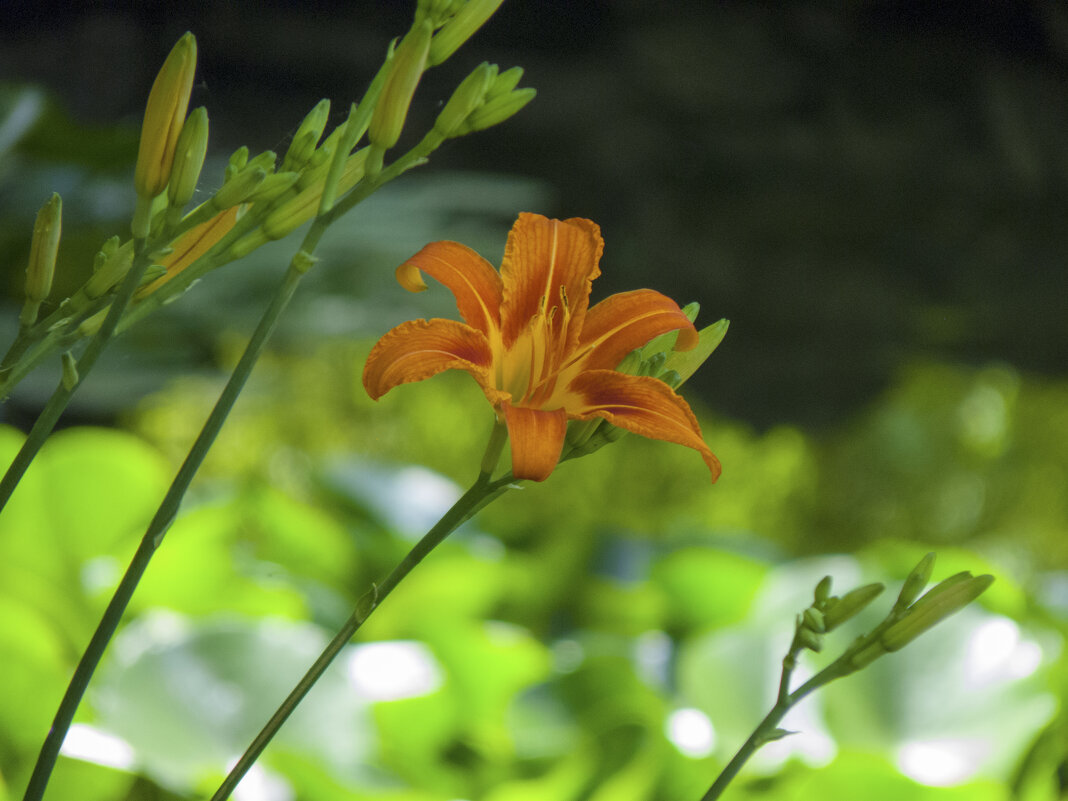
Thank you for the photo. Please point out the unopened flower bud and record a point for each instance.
(69, 376)
(272, 188)
(838, 611)
(823, 589)
(111, 271)
(307, 137)
(239, 188)
(407, 65)
(504, 83)
(915, 583)
(467, 97)
(495, 111)
(237, 161)
(44, 246)
(296, 211)
(189, 248)
(940, 602)
(813, 619)
(460, 28)
(165, 112)
(188, 158)
(810, 639)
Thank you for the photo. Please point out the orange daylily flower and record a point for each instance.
(530, 339)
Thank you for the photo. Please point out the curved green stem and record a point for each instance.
(153, 536)
(52, 411)
(481, 492)
(768, 730)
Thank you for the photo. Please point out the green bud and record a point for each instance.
(671, 378)
(810, 639)
(823, 589)
(496, 111)
(460, 28)
(504, 83)
(238, 160)
(70, 372)
(838, 611)
(44, 247)
(467, 97)
(110, 272)
(188, 158)
(653, 365)
(915, 583)
(812, 619)
(240, 188)
(272, 188)
(307, 137)
(406, 68)
(940, 602)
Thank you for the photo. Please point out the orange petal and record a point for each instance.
(471, 279)
(543, 260)
(422, 348)
(625, 321)
(537, 437)
(644, 406)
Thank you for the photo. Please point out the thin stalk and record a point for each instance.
(481, 492)
(153, 536)
(767, 730)
(49, 416)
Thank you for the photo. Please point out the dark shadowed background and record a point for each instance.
(853, 184)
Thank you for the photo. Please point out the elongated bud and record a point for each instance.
(164, 116)
(296, 211)
(240, 188)
(44, 246)
(504, 83)
(272, 188)
(460, 28)
(495, 111)
(823, 589)
(188, 158)
(406, 68)
(810, 639)
(813, 619)
(237, 161)
(940, 602)
(190, 247)
(838, 611)
(467, 97)
(307, 137)
(69, 376)
(111, 271)
(915, 583)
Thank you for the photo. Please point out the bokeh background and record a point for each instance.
(873, 192)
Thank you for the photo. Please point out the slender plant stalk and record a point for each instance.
(49, 416)
(481, 492)
(768, 729)
(153, 536)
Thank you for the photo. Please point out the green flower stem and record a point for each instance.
(482, 492)
(157, 528)
(52, 411)
(768, 730)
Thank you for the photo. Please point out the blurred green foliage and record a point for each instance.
(551, 644)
